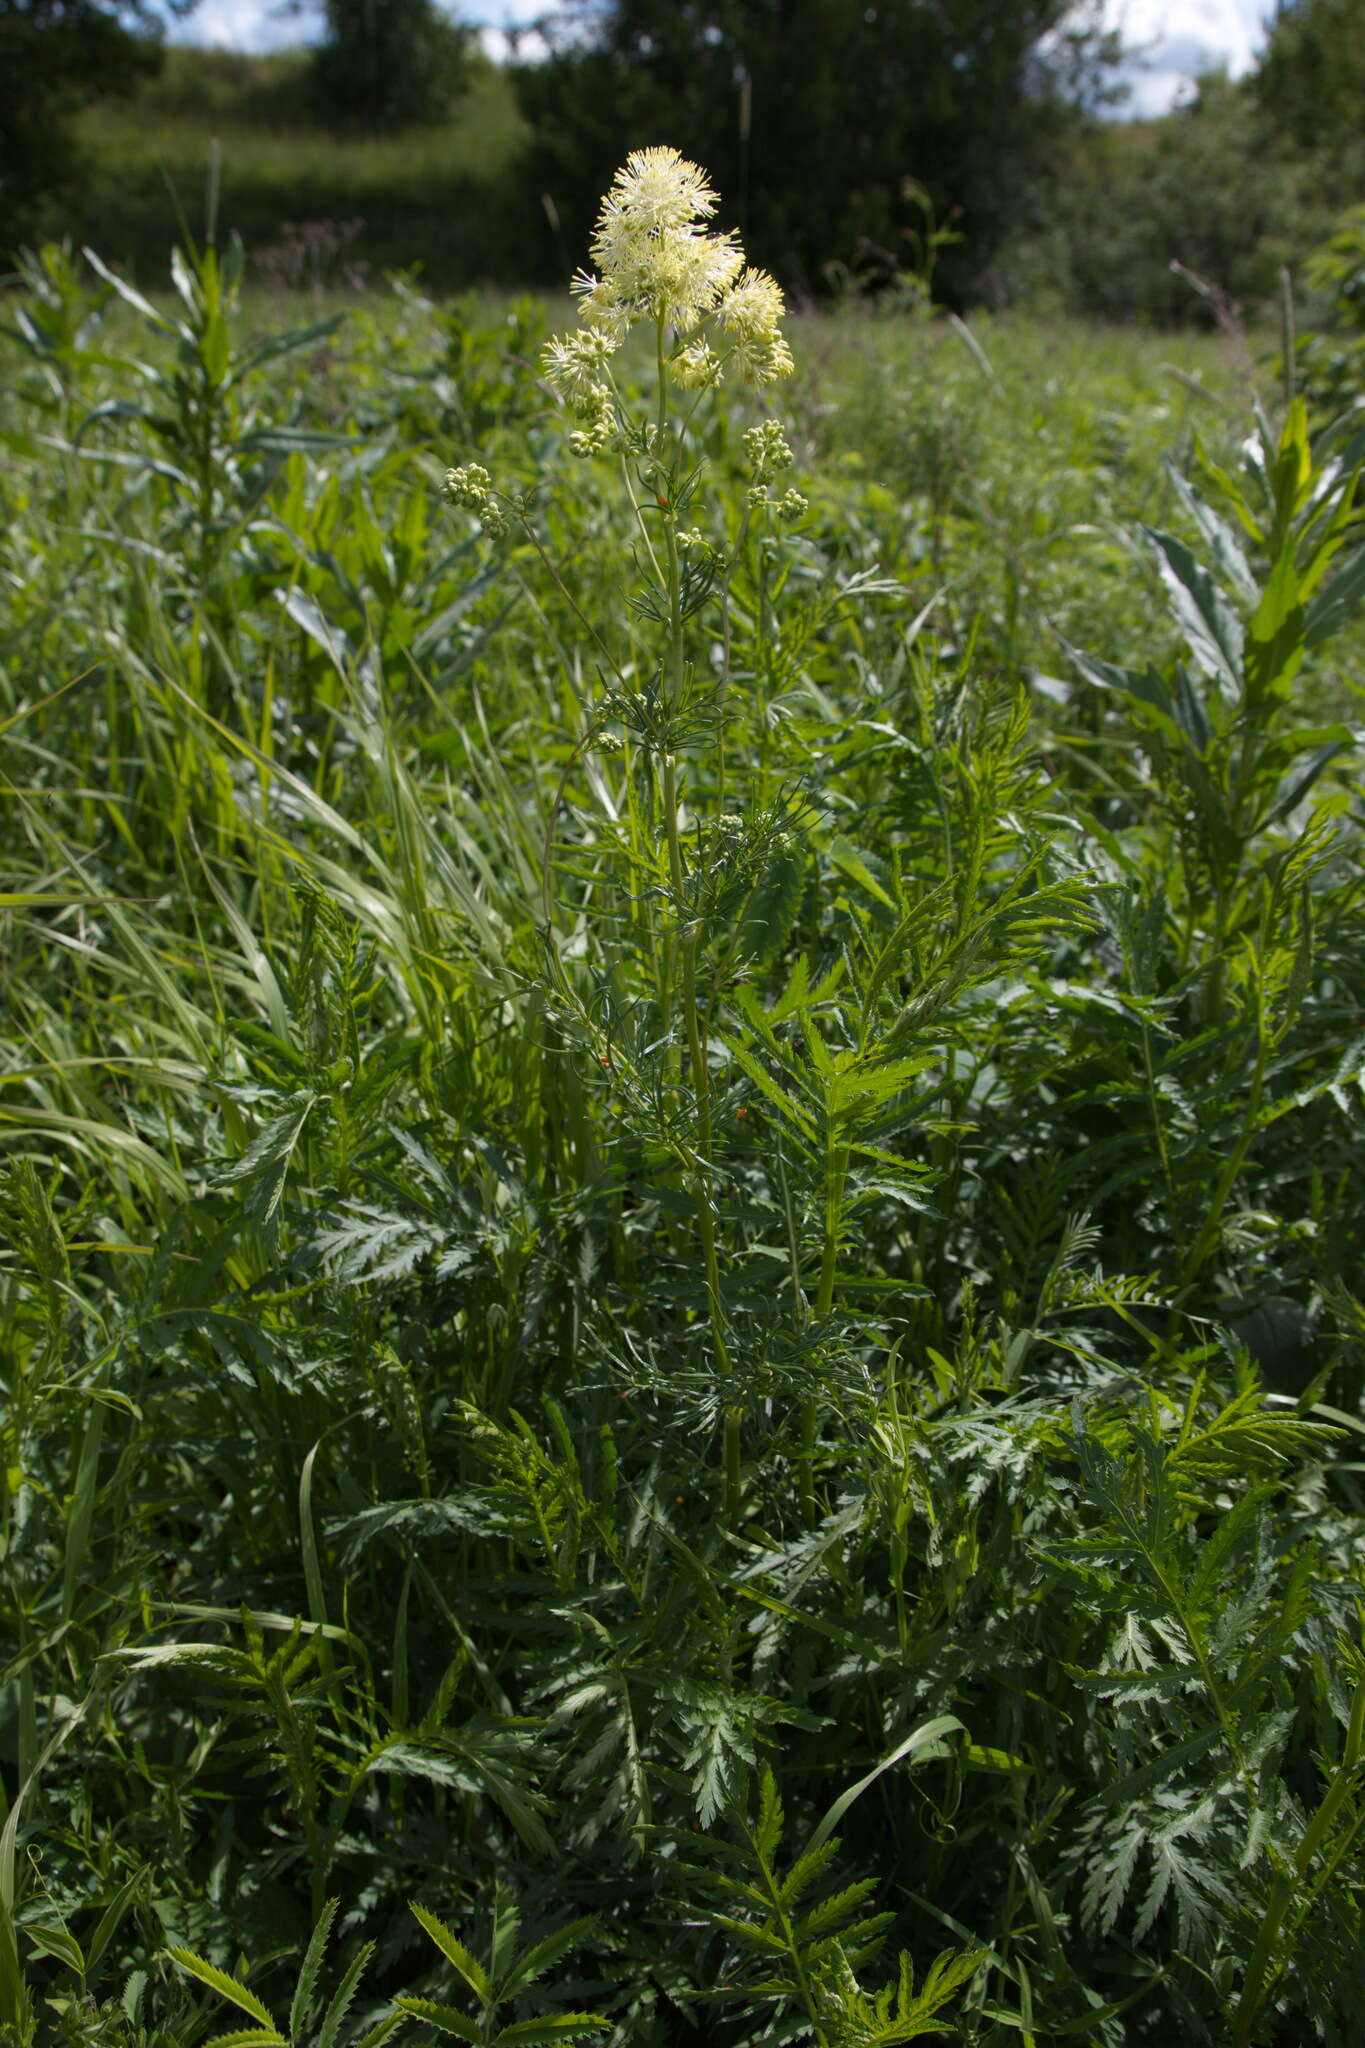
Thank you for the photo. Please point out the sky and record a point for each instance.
(1178, 38)
(1181, 38)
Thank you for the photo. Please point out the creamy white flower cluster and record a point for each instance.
(657, 260)
(576, 365)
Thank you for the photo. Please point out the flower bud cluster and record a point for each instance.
(592, 439)
(469, 485)
(472, 487)
(767, 449)
(768, 452)
(740, 839)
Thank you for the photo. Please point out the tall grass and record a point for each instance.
(447, 1583)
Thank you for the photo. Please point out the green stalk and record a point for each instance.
(836, 1172)
(1154, 1104)
(1208, 1236)
(662, 391)
(696, 1046)
(1256, 1988)
(793, 1947)
(701, 1082)
(810, 1430)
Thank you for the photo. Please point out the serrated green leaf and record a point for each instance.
(340, 2003)
(768, 1833)
(1219, 538)
(443, 2017)
(248, 2037)
(544, 1954)
(565, 2026)
(866, 1086)
(235, 1992)
(788, 1107)
(750, 1934)
(1275, 637)
(302, 2001)
(455, 1953)
(772, 909)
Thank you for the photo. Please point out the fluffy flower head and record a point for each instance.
(750, 315)
(696, 367)
(754, 307)
(658, 189)
(655, 257)
(574, 366)
(657, 260)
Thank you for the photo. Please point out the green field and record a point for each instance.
(680, 1299)
(441, 196)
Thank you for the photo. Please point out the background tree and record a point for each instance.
(1311, 83)
(54, 56)
(1209, 187)
(814, 113)
(390, 63)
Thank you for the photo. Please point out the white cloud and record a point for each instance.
(511, 35)
(235, 25)
(1176, 39)
(256, 24)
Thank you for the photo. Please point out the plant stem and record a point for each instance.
(836, 1172)
(1207, 1239)
(701, 1079)
(793, 1946)
(810, 1429)
(1256, 1985)
(696, 1046)
(734, 1463)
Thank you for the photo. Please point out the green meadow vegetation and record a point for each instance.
(681, 1077)
(443, 194)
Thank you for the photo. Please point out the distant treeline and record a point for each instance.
(966, 148)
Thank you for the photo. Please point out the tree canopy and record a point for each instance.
(389, 63)
(1311, 80)
(54, 54)
(816, 113)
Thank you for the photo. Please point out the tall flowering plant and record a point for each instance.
(713, 319)
(681, 974)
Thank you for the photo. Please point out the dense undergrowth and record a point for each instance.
(681, 1312)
